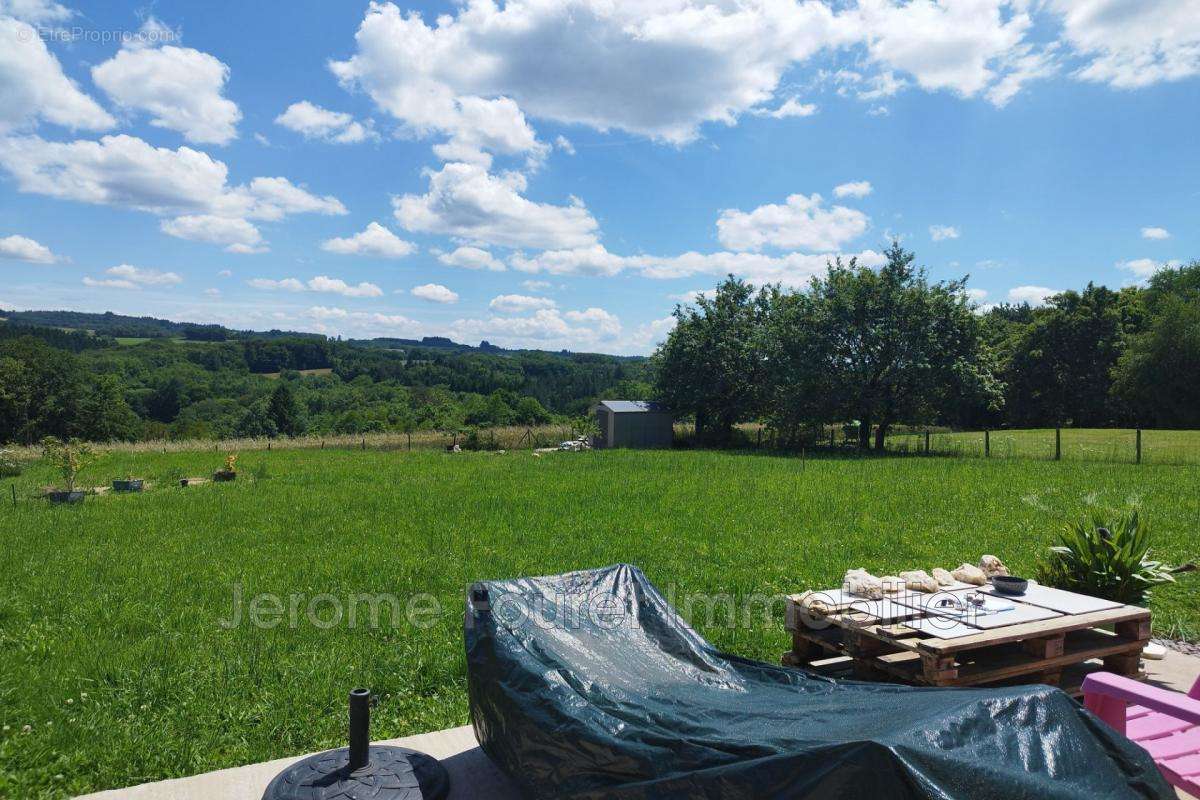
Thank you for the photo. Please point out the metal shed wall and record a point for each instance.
(641, 429)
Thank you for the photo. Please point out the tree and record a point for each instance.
(881, 347)
(285, 412)
(1158, 376)
(711, 365)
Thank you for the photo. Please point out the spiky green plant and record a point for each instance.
(69, 458)
(1106, 558)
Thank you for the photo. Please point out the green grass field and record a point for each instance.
(1078, 444)
(113, 653)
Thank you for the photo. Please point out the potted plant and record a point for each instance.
(70, 458)
(127, 484)
(228, 472)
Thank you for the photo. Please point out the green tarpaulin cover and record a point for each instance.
(590, 685)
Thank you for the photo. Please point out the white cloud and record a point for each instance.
(472, 258)
(964, 46)
(1155, 233)
(791, 107)
(519, 303)
(1143, 268)
(32, 84)
(178, 86)
(321, 283)
(1034, 295)
(22, 248)
(564, 144)
(434, 293)
(536, 286)
(878, 111)
(287, 284)
(125, 276)
(546, 327)
(326, 312)
(376, 241)
(225, 273)
(977, 295)
(648, 335)
(802, 223)
(942, 232)
(853, 189)
(314, 122)
(691, 296)
(1133, 43)
(213, 292)
(126, 171)
(237, 235)
(791, 269)
(586, 62)
(465, 200)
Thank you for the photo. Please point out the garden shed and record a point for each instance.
(633, 423)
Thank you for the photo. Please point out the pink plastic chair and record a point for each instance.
(1165, 723)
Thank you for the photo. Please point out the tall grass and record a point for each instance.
(121, 599)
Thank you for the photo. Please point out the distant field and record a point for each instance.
(1078, 444)
(121, 599)
(128, 341)
(275, 375)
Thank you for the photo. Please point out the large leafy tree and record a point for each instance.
(285, 412)
(711, 365)
(882, 346)
(1158, 376)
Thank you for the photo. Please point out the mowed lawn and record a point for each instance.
(113, 653)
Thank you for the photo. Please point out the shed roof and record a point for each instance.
(632, 406)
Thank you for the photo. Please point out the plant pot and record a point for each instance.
(67, 497)
(224, 475)
(130, 485)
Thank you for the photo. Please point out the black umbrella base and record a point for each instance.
(394, 773)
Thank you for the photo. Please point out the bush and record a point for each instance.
(9, 468)
(1110, 561)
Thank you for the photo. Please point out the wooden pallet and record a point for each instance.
(1058, 652)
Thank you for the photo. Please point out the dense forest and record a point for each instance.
(873, 349)
(189, 382)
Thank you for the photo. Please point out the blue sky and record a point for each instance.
(559, 173)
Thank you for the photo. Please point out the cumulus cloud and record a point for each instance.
(535, 286)
(35, 11)
(125, 276)
(321, 283)
(126, 171)
(22, 248)
(1034, 295)
(791, 269)
(545, 327)
(375, 240)
(583, 62)
(33, 87)
(1155, 233)
(857, 189)
(1144, 268)
(466, 201)
(801, 223)
(179, 87)
(519, 303)
(236, 235)
(942, 232)
(434, 293)
(469, 257)
(1128, 43)
(314, 122)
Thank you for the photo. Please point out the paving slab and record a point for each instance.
(472, 775)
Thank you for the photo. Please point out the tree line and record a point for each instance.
(871, 349)
(73, 384)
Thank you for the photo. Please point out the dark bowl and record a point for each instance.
(1010, 584)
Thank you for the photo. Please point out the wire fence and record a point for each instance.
(1113, 445)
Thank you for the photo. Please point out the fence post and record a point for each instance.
(364, 443)
(927, 442)
(987, 443)
(14, 494)
(832, 440)
(1139, 446)
(1058, 444)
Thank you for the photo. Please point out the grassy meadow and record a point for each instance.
(113, 652)
(1078, 444)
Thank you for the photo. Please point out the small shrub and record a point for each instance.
(9, 467)
(1106, 558)
(69, 458)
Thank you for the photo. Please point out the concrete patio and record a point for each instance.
(472, 775)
